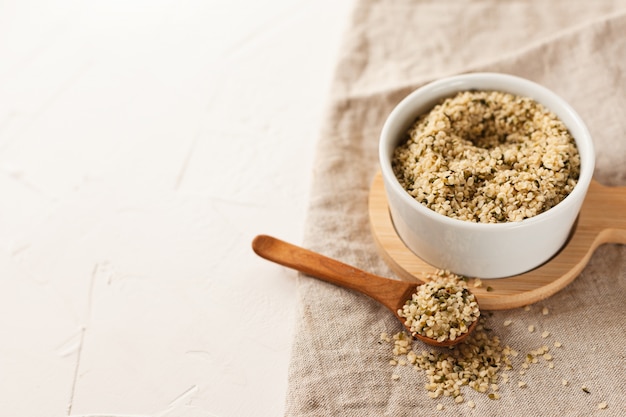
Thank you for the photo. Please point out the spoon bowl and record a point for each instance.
(390, 293)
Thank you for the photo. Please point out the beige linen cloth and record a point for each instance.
(577, 49)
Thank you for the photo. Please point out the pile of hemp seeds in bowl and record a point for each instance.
(488, 157)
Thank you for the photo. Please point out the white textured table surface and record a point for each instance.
(143, 144)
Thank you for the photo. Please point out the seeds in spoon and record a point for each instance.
(441, 309)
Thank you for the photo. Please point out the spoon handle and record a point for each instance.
(390, 293)
(386, 291)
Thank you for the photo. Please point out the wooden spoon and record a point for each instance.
(390, 293)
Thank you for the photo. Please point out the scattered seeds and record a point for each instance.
(477, 362)
(602, 406)
(489, 289)
(526, 308)
(545, 311)
(478, 283)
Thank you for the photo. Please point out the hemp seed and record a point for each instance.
(488, 157)
(480, 361)
(442, 308)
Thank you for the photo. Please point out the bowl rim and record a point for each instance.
(434, 91)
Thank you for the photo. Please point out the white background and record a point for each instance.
(143, 144)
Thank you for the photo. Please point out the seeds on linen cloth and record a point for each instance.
(441, 309)
(480, 362)
(488, 157)
(475, 362)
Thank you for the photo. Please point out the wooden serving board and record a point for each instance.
(602, 219)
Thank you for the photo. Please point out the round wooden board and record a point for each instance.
(519, 290)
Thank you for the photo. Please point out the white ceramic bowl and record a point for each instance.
(479, 249)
